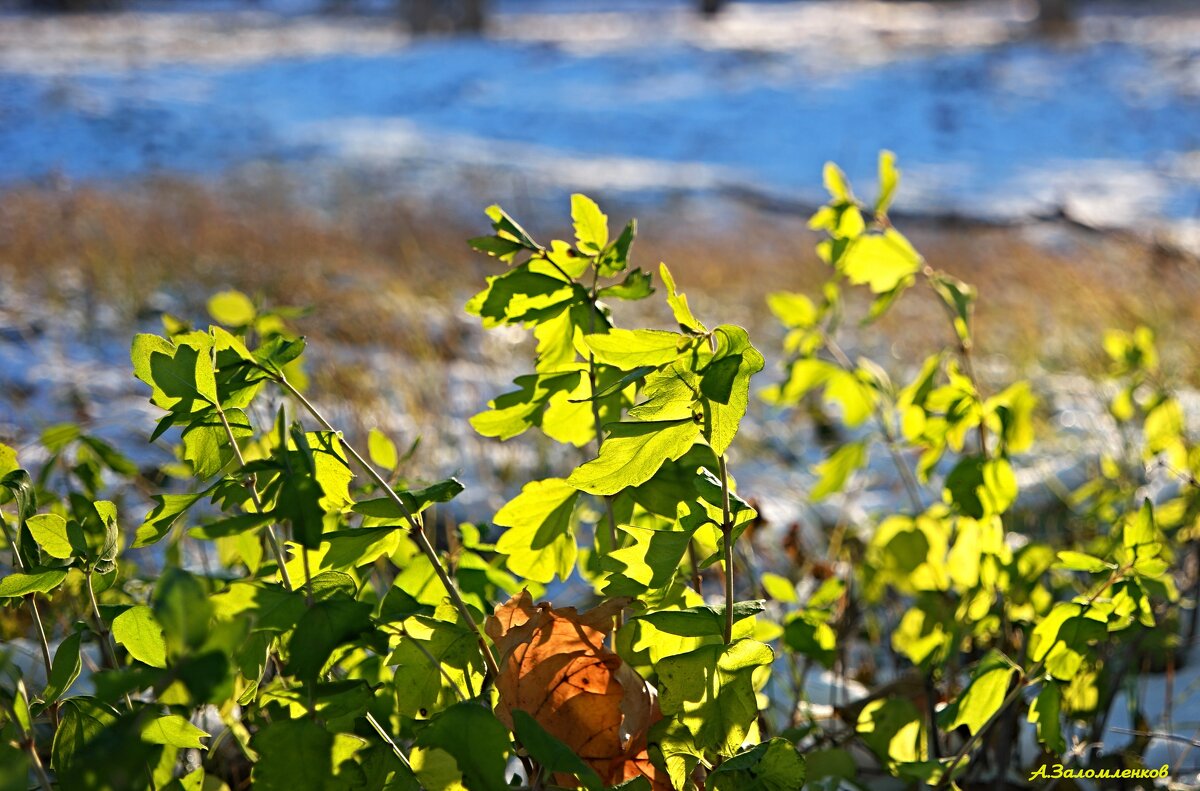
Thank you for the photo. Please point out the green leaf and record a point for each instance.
(65, 668)
(889, 181)
(669, 394)
(19, 486)
(180, 374)
(359, 546)
(81, 720)
(437, 663)
(273, 607)
(836, 184)
(711, 693)
(725, 384)
(629, 349)
(700, 621)
(809, 634)
(794, 311)
(58, 538)
(893, 729)
(382, 450)
(325, 626)
(649, 559)
(636, 285)
(139, 632)
(294, 755)
(550, 753)
(679, 305)
(507, 228)
(1140, 534)
(778, 587)
(168, 508)
(174, 731)
(959, 298)
(632, 453)
(206, 442)
(1046, 712)
(771, 766)
(416, 500)
(8, 456)
(981, 487)
(539, 542)
(36, 580)
(1061, 639)
(615, 257)
(231, 308)
(591, 225)
(834, 471)
(299, 504)
(1079, 561)
(523, 294)
(514, 412)
(982, 698)
(192, 781)
(182, 609)
(829, 763)
(14, 768)
(480, 759)
(879, 260)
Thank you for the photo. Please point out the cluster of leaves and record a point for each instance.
(290, 616)
(986, 626)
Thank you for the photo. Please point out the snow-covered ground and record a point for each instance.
(637, 98)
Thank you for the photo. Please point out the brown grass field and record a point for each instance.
(386, 273)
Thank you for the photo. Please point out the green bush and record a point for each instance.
(336, 640)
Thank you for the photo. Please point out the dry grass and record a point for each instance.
(380, 271)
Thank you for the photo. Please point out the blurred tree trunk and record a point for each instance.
(1055, 16)
(444, 16)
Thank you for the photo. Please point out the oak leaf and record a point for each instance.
(555, 667)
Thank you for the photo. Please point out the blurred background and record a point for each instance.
(335, 154)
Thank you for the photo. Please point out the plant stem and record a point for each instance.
(608, 507)
(418, 535)
(43, 643)
(727, 534)
(1026, 678)
(599, 425)
(694, 561)
(251, 484)
(108, 646)
(38, 768)
(383, 734)
(964, 353)
(108, 649)
(911, 486)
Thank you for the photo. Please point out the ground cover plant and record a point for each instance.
(296, 612)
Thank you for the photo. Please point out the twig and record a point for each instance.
(383, 734)
(418, 535)
(251, 484)
(727, 534)
(43, 643)
(694, 561)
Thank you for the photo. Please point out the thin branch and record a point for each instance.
(43, 643)
(694, 561)
(418, 535)
(383, 734)
(727, 534)
(911, 486)
(251, 484)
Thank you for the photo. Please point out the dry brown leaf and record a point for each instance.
(555, 667)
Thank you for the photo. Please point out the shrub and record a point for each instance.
(336, 640)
